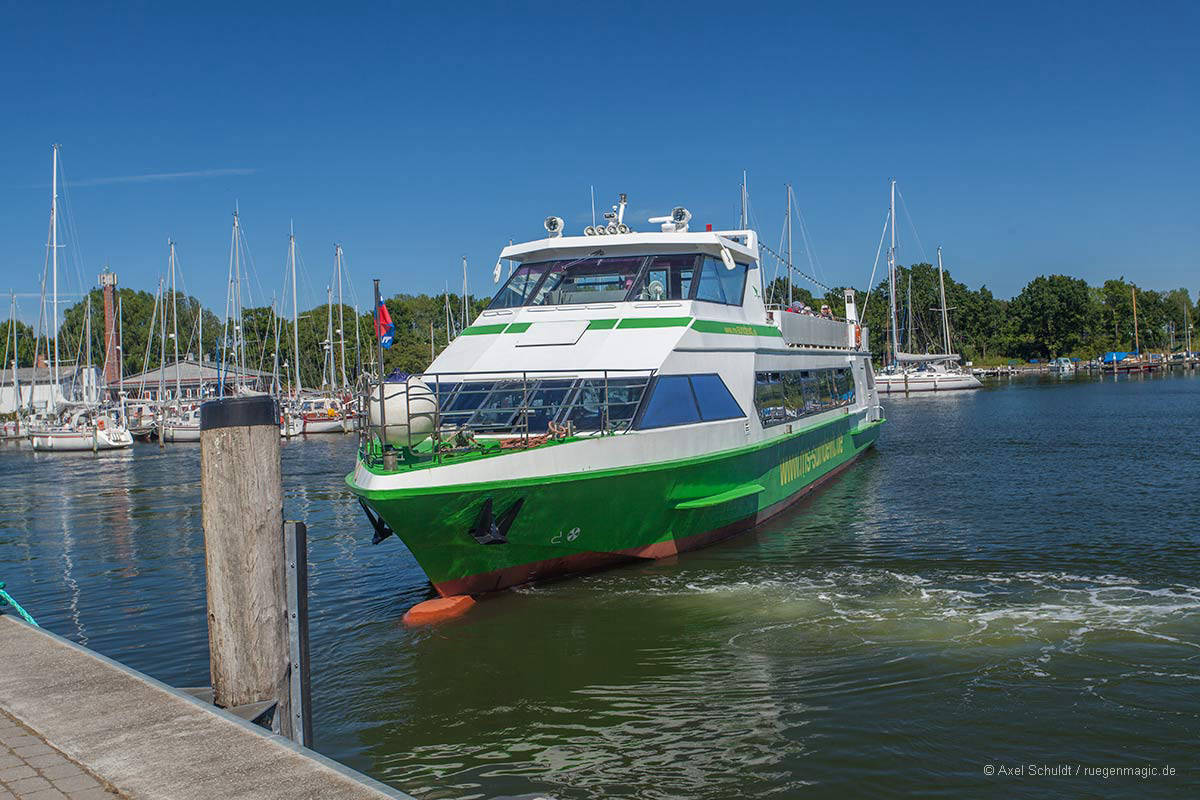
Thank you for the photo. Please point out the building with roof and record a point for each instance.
(191, 379)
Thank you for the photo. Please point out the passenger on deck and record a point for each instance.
(826, 312)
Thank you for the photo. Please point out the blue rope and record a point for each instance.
(7, 600)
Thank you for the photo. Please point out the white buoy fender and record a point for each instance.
(410, 408)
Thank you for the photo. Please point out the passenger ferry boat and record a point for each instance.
(624, 396)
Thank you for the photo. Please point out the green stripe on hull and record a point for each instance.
(735, 328)
(567, 519)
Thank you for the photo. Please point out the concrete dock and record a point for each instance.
(78, 725)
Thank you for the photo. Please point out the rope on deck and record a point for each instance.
(7, 600)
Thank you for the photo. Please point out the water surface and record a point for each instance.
(1011, 577)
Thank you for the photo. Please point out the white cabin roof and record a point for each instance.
(710, 242)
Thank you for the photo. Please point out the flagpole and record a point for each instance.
(379, 347)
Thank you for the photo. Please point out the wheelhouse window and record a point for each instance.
(518, 289)
(720, 285)
(666, 278)
(685, 399)
(787, 396)
(588, 280)
(614, 279)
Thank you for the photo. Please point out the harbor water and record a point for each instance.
(1011, 579)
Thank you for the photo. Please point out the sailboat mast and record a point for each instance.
(341, 319)
(789, 229)
(120, 350)
(175, 323)
(892, 273)
(295, 314)
(945, 311)
(745, 216)
(222, 372)
(328, 365)
(464, 303)
(12, 316)
(162, 345)
(54, 266)
(276, 386)
(87, 324)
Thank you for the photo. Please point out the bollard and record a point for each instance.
(241, 494)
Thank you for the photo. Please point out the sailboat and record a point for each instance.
(914, 372)
(328, 412)
(85, 425)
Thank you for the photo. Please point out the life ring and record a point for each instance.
(100, 425)
(858, 336)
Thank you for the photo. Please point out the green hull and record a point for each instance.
(581, 521)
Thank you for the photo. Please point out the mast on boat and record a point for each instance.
(87, 325)
(175, 322)
(329, 365)
(54, 267)
(341, 317)
(892, 273)
(945, 311)
(295, 315)
(464, 302)
(120, 353)
(744, 219)
(789, 235)
(223, 372)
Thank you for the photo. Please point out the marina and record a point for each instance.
(781, 643)
(560, 403)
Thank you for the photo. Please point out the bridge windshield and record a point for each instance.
(615, 279)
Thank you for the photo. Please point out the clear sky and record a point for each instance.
(1026, 138)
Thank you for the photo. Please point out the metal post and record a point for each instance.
(295, 543)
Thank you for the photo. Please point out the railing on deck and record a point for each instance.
(558, 402)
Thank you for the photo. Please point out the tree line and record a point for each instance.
(1053, 315)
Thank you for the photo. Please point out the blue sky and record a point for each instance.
(1026, 138)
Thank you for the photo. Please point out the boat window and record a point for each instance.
(790, 395)
(666, 278)
(714, 399)
(503, 406)
(586, 409)
(587, 280)
(670, 403)
(519, 287)
(720, 285)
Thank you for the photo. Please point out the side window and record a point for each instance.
(787, 396)
(714, 399)
(670, 403)
(720, 285)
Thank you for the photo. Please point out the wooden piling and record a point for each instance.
(242, 511)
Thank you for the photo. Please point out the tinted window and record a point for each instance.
(666, 278)
(720, 285)
(714, 399)
(670, 403)
(519, 287)
(786, 396)
(588, 280)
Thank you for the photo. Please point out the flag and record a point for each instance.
(384, 329)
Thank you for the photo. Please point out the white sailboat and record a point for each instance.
(79, 426)
(919, 372)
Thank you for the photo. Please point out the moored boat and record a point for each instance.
(624, 396)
